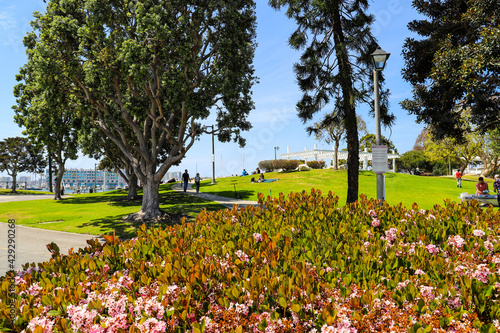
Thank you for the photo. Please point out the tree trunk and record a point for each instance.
(50, 174)
(336, 158)
(14, 182)
(132, 187)
(349, 112)
(59, 177)
(353, 156)
(150, 209)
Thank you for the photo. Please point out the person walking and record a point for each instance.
(197, 181)
(185, 178)
(459, 178)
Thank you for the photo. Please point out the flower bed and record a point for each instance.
(298, 265)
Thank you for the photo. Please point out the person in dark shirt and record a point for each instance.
(185, 178)
(496, 188)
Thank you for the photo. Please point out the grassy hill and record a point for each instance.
(404, 188)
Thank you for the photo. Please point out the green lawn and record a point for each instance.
(101, 213)
(408, 189)
(97, 213)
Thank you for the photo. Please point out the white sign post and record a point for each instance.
(379, 159)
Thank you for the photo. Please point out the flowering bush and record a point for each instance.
(300, 264)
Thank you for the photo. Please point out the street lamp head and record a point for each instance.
(379, 57)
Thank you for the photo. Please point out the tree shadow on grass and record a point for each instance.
(175, 204)
(242, 194)
(126, 230)
(118, 198)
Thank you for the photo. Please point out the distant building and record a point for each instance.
(175, 174)
(88, 178)
(24, 179)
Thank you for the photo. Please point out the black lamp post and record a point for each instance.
(379, 58)
(213, 151)
(95, 178)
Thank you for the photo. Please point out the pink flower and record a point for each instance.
(456, 241)
(460, 269)
(391, 234)
(242, 256)
(482, 273)
(432, 248)
(257, 237)
(419, 272)
(152, 325)
(489, 246)
(372, 213)
(454, 302)
(46, 323)
(426, 291)
(478, 233)
(375, 222)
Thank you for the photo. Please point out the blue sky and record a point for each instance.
(275, 121)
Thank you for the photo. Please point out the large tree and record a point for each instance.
(455, 65)
(48, 117)
(20, 155)
(335, 133)
(335, 65)
(459, 153)
(150, 70)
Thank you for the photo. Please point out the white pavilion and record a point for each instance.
(322, 154)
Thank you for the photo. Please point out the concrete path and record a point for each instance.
(227, 202)
(30, 244)
(25, 197)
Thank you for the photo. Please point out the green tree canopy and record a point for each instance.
(20, 155)
(335, 65)
(334, 132)
(455, 65)
(146, 72)
(368, 141)
(48, 116)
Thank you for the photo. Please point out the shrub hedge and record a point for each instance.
(286, 165)
(266, 165)
(300, 264)
(316, 164)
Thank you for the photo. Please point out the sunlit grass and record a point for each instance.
(404, 188)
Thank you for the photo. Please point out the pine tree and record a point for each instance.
(335, 66)
(455, 65)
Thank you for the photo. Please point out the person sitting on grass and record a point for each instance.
(496, 188)
(261, 178)
(481, 186)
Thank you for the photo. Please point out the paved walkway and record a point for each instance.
(227, 202)
(25, 197)
(30, 243)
